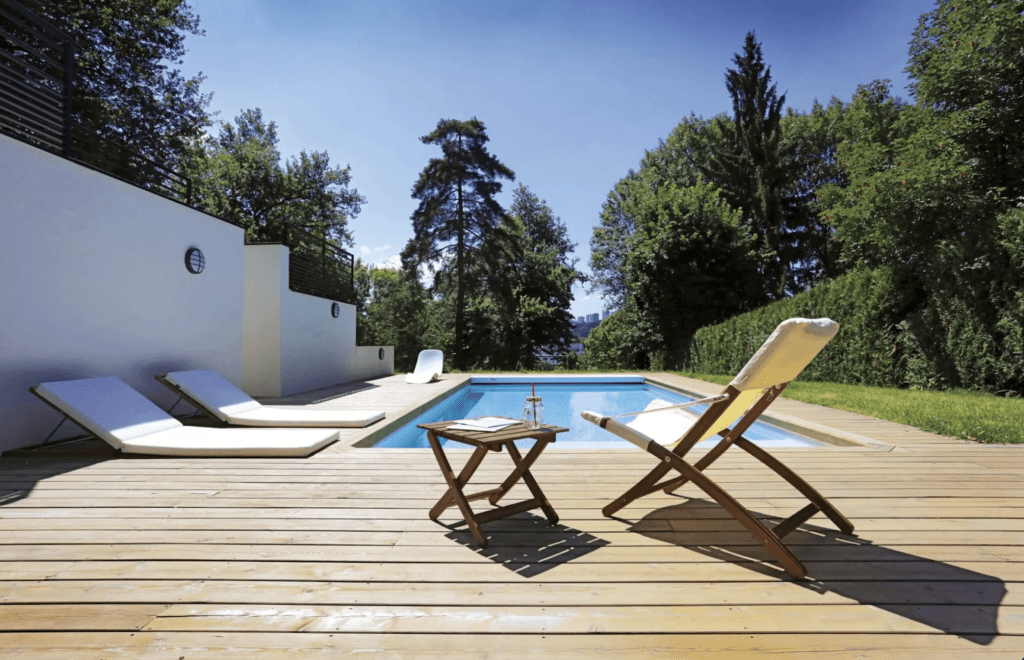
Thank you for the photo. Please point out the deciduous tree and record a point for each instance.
(238, 176)
(967, 58)
(691, 262)
(127, 87)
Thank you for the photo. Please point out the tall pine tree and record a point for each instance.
(753, 173)
(457, 211)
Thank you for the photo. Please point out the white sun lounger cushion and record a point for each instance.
(108, 408)
(429, 366)
(279, 416)
(214, 391)
(128, 421)
(785, 353)
(234, 406)
(207, 442)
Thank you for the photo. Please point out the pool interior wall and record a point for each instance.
(564, 400)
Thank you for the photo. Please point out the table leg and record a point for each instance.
(467, 472)
(454, 489)
(521, 465)
(523, 468)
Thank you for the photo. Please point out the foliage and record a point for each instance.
(967, 58)
(676, 161)
(238, 176)
(964, 414)
(753, 171)
(518, 290)
(891, 335)
(457, 211)
(530, 293)
(811, 140)
(866, 304)
(621, 341)
(915, 203)
(909, 186)
(391, 311)
(690, 262)
(126, 88)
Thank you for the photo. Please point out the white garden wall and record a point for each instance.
(93, 283)
(292, 342)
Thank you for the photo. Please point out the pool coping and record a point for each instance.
(836, 439)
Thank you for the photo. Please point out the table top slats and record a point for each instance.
(491, 438)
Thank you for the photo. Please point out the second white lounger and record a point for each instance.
(126, 420)
(212, 393)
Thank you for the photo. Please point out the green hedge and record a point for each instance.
(894, 332)
(866, 304)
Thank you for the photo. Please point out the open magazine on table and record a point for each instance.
(486, 424)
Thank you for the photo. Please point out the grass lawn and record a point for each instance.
(968, 415)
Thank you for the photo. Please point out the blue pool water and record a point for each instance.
(564, 400)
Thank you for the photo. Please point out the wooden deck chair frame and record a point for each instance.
(673, 460)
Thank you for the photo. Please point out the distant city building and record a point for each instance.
(580, 320)
(593, 318)
(605, 315)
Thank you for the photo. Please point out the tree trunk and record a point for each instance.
(460, 298)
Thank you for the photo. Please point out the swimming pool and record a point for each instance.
(564, 400)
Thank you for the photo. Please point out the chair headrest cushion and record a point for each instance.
(785, 353)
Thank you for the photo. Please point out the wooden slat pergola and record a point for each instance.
(105, 556)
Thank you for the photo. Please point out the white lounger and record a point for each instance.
(210, 392)
(429, 366)
(126, 420)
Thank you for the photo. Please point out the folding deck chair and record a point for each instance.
(126, 420)
(779, 360)
(429, 365)
(210, 392)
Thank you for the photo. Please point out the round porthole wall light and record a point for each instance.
(335, 310)
(195, 262)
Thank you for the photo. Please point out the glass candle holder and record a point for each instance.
(533, 412)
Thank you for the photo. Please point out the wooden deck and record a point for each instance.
(107, 556)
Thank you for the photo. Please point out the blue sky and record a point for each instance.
(572, 93)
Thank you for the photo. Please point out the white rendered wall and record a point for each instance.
(266, 276)
(367, 363)
(292, 343)
(93, 283)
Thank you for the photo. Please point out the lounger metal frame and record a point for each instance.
(182, 396)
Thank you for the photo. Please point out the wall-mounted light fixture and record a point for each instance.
(195, 262)
(335, 310)
(380, 354)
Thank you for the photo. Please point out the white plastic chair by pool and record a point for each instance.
(209, 391)
(429, 366)
(126, 420)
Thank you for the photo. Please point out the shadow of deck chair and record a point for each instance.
(779, 360)
(211, 393)
(128, 421)
(429, 366)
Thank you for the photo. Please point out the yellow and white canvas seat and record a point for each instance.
(669, 433)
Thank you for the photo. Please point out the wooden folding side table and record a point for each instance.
(485, 442)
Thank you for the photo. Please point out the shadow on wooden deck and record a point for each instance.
(939, 595)
(532, 548)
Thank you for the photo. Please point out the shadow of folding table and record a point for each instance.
(528, 545)
(948, 598)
